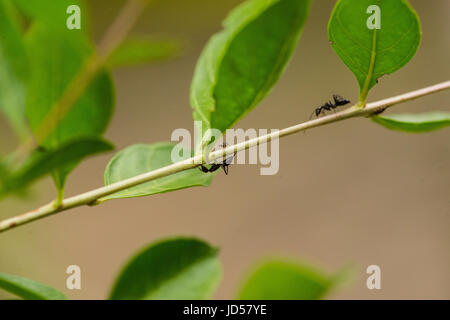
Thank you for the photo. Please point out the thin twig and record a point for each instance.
(120, 28)
(93, 197)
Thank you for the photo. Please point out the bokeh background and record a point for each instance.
(348, 193)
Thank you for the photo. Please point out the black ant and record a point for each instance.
(218, 163)
(338, 101)
(380, 111)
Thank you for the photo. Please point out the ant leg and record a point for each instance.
(203, 168)
(310, 117)
(225, 169)
(214, 167)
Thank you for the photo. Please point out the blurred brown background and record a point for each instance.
(351, 192)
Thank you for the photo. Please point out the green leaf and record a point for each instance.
(41, 163)
(415, 123)
(143, 49)
(141, 158)
(181, 268)
(5, 173)
(56, 60)
(240, 65)
(283, 280)
(53, 13)
(372, 53)
(13, 70)
(28, 289)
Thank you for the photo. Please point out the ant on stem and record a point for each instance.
(338, 101)
(218, 163)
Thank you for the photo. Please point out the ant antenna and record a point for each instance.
(310, 117)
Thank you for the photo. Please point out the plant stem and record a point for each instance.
(94, 196)
(120, 28)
